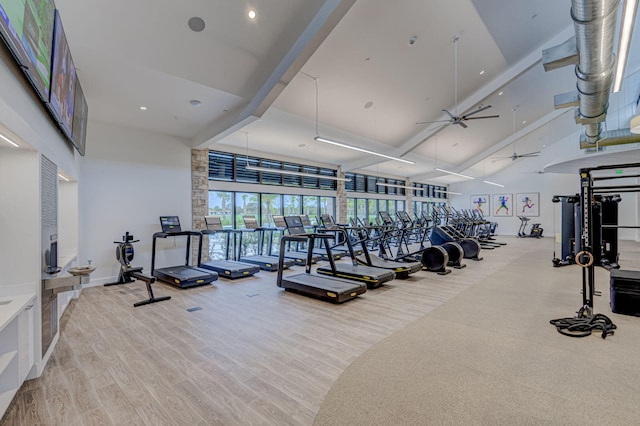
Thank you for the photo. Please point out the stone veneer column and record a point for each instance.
(341, 198)
(409, 198)
(199, 196)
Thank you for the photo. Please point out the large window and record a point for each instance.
(247, 203)
(310, 206)
(271, 204)
(327, 205)
(221, 204)
(292, 205)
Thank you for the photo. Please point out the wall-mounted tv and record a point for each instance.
(80, 113)
(27, 28)
(63, 79)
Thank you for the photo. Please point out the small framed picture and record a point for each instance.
(528, 204)
(502, 205)
(480, 202)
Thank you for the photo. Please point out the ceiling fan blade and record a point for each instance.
(437, 121)
(502, 158)
(466, 117)
(461, 124)
(478, 110)
(530, 154)
(453, 117)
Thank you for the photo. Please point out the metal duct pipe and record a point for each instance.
(612, 138)
(594, 23)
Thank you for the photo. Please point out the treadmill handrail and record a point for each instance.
(176, 234)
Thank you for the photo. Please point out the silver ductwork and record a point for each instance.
(611, 138)
(595, 23)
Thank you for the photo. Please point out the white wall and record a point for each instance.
(67, 220)
(20, 221)
(129, 179)
(518, 178)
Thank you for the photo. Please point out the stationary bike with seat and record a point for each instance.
(128, 273)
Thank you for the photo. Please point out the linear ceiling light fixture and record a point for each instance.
(291, 172)
(626, 29)
(493, 183)
(447, 192)
(366, 151)
(342, 144)
(391, 185)
(63, 177)
(9, 140)
(454, 173)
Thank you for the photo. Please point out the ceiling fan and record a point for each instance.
(515, 156)
(454, 118)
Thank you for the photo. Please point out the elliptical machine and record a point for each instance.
(128, 274)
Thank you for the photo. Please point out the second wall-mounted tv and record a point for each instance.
(63, 79)
(80, 114)
(27, 28)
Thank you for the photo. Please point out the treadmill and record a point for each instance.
(306, 224)
(402, 269)
(182, 276)
(299, 258)
(226, 268)
(265, 262)
(333, 289)
(373, 277)
(329, 224)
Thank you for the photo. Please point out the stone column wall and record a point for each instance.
(200, 197)
(341, 199)
(408, 198)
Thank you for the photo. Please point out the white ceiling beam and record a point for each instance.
(531, 60)
(328, 16)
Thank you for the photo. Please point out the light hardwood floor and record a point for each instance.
(253, 354)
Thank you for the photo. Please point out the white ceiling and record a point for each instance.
(253, 77)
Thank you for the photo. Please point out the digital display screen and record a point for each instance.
(80, 114)
(170, 223)
(63, 83)
(27, 28)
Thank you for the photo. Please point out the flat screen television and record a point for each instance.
(63, 79)
(27, 29)
(80, 114)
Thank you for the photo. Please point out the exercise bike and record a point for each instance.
(536, 230)
(129, 274)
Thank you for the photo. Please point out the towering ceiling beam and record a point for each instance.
(331, 12)
(531, 60)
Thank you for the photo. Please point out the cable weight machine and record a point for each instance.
(590, 238)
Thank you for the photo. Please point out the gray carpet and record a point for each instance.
(490, 357)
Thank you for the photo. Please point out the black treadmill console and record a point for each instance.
(327, 221)
(306, 222)
(214, 223)
(279, 221)
(295, 225)
(170, 224)
(386, 218)
(250, 222)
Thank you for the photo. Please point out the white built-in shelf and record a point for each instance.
(5, 360)
(11, 306)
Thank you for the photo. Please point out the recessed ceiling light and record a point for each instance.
(144, 108)
(302, 145)
(195, 102)
(252, 14)
(481, 72)
(524, 121)
(196, 24)
(500, 94)
(544, 146)
(368, 105)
